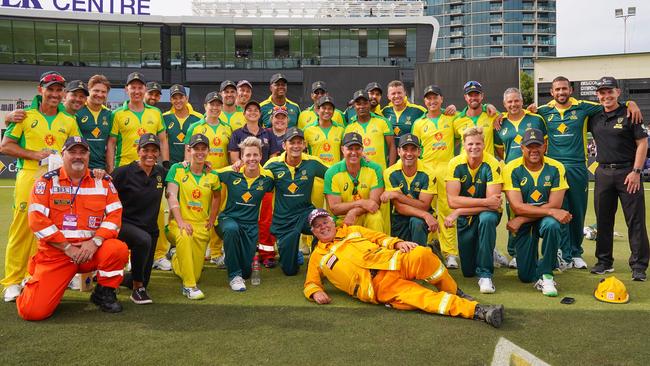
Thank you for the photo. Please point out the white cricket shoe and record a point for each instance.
(219, 262)
(513, 263)
(11, 292)
(193, 293)
(75, 282)
(579, 263)
(238, 284)
(547, 286)
(500, 260)
(162, 264)
(452, 262)
(486, 286)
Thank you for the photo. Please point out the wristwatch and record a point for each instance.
(98, 241)
(637, 170)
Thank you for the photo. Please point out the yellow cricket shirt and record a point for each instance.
(324, 143)
(194, 191)
(218, 135)
(339, 182)
(235, 120)
(436, 137)
(128, 126)
(463, 122)
(373, 133)
(308, 116)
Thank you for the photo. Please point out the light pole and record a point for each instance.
(618, 13)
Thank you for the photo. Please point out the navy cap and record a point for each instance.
(177, 89)
(293, 132)
(75, 85)
(153, 86)
(372, 86)
(359, 94)
(252, 102)
(533, 136)
(244, 82)
(213, 96)
(199, 138)
(607, 82)
(352, 138)
(74, 141)
(277, 77)
(318, 85)
(472, 86)
(316, 213)
(135, 76)
(408, 139)
(326, 99)
(435, 89)
(50, 78)
(148, 139)
(227, 83)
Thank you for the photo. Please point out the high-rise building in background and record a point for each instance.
(481, 29)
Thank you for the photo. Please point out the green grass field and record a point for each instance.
(274, 324)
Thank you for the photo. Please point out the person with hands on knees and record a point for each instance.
(474, 193)
(194, 200)
(387, 274)
(76, 218)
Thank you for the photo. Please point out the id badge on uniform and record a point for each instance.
(69, 222)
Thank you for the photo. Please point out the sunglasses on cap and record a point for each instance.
(52, 78)
(472, 83)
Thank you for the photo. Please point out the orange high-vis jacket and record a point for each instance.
(96, 205)
(347, 260)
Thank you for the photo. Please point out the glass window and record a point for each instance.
(330, 46)
(214, 46)
(67, 44)
(349, 47)
(23, 37)
(150, 41)
(6, 43)
(295, 47)
(45, 36)
(130, 40)
(195, 47)
(109, 43)
(410, 45)
(243, 43)
(310, 47)
(382, 47)
(397, 43)
(176, 58)
(229, 47)
(88, 45)
(368, 46)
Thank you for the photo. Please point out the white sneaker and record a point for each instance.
(238, 284)
(452, 262)
(500, 260)
(207, 253)
(547, 286)
(579, 263)
(162, 264)
(513, 263)
(219, 262)
(75, 282)
(193, 293)
(486, 286)
(11, 292)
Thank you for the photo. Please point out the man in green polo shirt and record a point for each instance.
(278, 98)
(95, 120)
(400, 112)
(535, 187)
(294, 173)
(178, 119)
(410, 187)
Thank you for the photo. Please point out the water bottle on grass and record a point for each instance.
(255, 276)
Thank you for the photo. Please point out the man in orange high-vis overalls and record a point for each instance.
(76, 218)
(379, 269)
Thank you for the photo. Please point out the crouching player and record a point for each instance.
(535, 187)
(380, 269)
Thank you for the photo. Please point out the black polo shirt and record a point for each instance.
(615, 136)
(140, 194)
(269, 141)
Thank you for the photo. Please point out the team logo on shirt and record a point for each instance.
(246, 197)
(94, 222)
(345, 187)
(236, 181)
(216, 141)
(438, 136)
(126, 121)
(141, 131)
(39, 188)
(35, 123)
(523, 181)
(104, 121)
(84, 119)
(185, 178)
(366, 141)
(49, 139)
(562, 128)
(327, 147)
(170, 125)
(463, 179)
(196, 193)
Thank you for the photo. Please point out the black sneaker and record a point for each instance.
(460, 293)
(106, 299)
(491, 314)
(140, 296)
(601, 268)
(638, 275)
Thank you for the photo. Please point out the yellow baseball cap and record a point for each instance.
(612, 290)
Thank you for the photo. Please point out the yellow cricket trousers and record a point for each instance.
(188, 260)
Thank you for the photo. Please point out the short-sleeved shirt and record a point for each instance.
(140, 194)
(177, 131)
(437, 140)
(38, 132)
(244, 195)
(373, 133)
(324, 143)
(423, 181)
(235, 120)
(567, 130)
(535, 187)
(269, 142)
(308, 117)
(279, 139)
(463, 122)
(127, 128)
(293, 185)
(339, 182)
(266, 108)
(194, 191)
(95, 127)
(219, 137)
(615, 136)
(511, 133)
(403, 120)
(474, 182)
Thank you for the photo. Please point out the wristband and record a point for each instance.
(637, 170)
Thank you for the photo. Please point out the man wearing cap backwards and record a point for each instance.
(231, 114)
(237, 224)
(194, 200)
(400, 112)
(410, 187)
(374, 92)
(353, 187)
(435, 130)
(218, 133)
(244, 94)
(535, 186)
(152, 95)
(310, 115)
(387, 276)
(76, 93)
(45, 129)
(474, 193)
(132, 120)
(294, 173)
(95, 120)
(566, 120)
(140, 186)
(376, 131)
(476, 115)
(76, 218)
(177, 120)
(516, 121)
(622, 147)
(278, 98)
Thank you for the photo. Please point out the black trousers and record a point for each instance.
(142, 245)
(609, 189)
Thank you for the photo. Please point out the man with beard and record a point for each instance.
(475, 116)
(310, 115)
(178, 120)
(373, 92)
(244, 94)
(95, 120)
(152, 95)
(278, 98)
(76, 93)
(231, 113)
